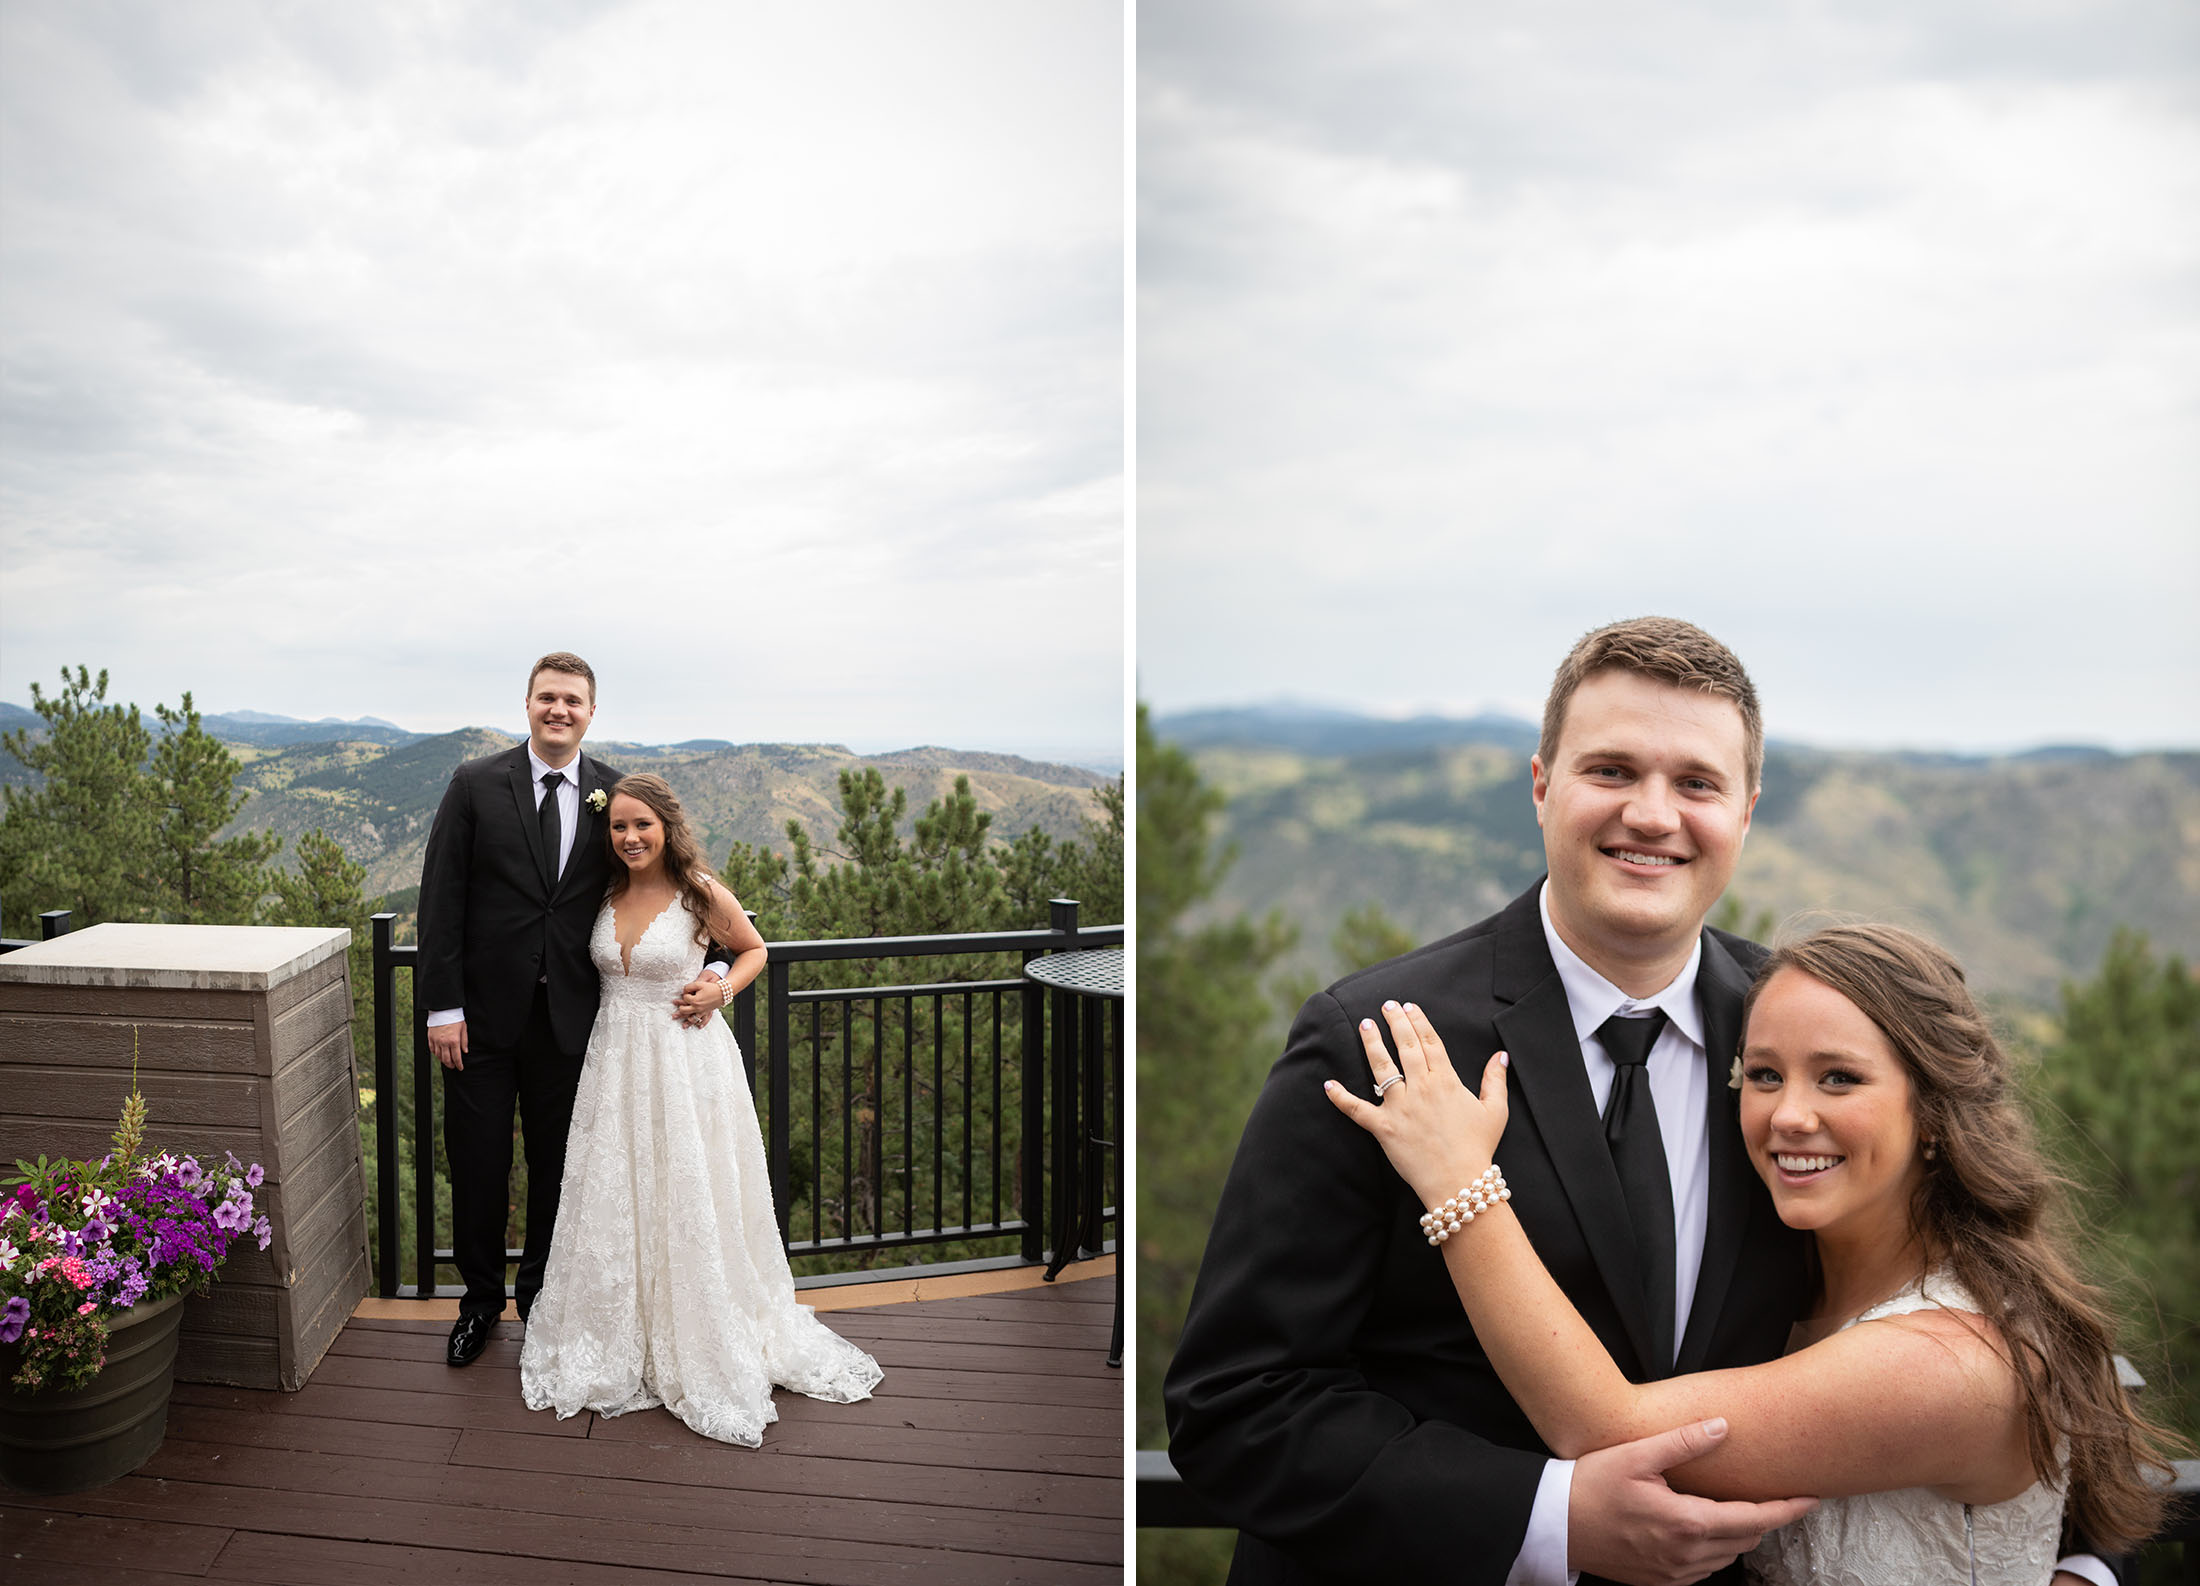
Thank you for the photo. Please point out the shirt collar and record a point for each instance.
(541, 768)
(1592, 999)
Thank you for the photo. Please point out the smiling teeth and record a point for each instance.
(1805, 1164)
(1634, 858)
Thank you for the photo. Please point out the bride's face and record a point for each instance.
(637, 835)
(1826, 1110)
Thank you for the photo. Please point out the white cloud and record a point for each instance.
(350, 353)
(1461, 337)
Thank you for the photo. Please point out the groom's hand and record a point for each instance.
(447, 1042)
(1625, 1523)
(700, 1000)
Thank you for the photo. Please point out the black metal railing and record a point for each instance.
(950, 1123)
(52, 923)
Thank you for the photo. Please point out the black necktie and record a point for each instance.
(547, 813)
(1638, 1151)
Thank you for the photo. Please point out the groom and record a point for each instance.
(515, 871)
(1328, 1394)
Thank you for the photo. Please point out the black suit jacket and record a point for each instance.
(492, 923)
(1328, 1394)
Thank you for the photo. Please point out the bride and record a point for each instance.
(667, 1283)
(1953, 1388)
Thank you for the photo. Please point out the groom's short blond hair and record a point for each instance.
(1665, 650)
(563, 661)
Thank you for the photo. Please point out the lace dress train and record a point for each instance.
(667, 1283)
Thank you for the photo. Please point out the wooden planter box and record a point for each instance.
(243, 1037)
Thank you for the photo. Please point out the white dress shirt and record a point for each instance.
(1679, 1088)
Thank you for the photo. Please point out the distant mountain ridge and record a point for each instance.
(375, 787)
(1330, 730)
(379, 803)
(2023, 864)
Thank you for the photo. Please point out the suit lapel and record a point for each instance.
(1720, 984)
(530, 816)
(1550, 1082)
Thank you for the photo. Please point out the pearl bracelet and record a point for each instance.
(1485, 1192)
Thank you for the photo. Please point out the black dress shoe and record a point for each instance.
(469, 1338)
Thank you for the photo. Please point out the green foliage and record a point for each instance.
(125, 827)
(80, 840)
(893, 1120)
(195, 877)
(2121, 1085)
(1733, 916)
(327, 889)
(1207, 1031)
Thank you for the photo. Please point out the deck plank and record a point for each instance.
(49, 1538)
(992, 1454)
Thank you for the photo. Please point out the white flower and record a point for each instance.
(8, 1253)
(1734, 1080)
(598, 799)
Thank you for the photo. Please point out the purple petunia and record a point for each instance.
(255, 1175)
(264, 1231)
(229, 1216)
(12, 1317)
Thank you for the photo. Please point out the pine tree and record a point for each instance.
(1208, 1028)
(326, 889)
(81, 841)
(196, 876)
(2121, 1088)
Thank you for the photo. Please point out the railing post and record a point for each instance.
(52, 923)
(424, 1286)
(1034, 1145)
(782, 1125)
(1062, 1069)
(385, 1107)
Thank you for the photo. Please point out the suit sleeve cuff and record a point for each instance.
(1542, 1560)
(2090, 1568)
(715, 967)
(446, 1016)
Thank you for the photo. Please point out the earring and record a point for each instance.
(1931, 1150)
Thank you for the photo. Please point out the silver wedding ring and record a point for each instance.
(1395, 1079)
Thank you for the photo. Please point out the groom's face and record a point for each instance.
(1643, 810)
(559, 708)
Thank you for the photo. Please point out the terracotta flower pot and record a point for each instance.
(86, 1437)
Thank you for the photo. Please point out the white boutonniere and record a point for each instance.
(1734, 1080)
(598, 799)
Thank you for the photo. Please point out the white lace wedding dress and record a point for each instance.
(1913, 1534)
(667, 1283)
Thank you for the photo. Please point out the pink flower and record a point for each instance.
(87, 1308)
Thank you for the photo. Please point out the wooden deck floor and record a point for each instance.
(992, 1453)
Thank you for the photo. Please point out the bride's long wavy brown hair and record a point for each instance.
(683, 854)
(1991, 1211)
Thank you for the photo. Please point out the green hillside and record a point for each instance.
(2024, 866)
(378, 802)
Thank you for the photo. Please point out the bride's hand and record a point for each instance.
(1437, 1133)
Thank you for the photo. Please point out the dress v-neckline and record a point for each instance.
(626, 949)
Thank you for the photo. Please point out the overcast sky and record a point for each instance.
(769, 356)
(1865, 335)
